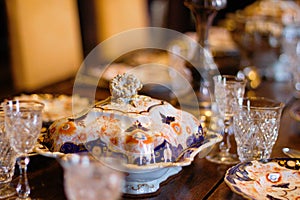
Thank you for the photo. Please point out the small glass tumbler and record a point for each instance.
(85, 177)
(256, 127)
(7, 161)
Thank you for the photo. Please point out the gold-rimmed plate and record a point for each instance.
(277, 178)
(57, 106)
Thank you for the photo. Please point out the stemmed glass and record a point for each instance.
(7, 161)
(228, 89)
(204, 11)
(23, 123)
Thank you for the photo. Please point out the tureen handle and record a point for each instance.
(124, 87)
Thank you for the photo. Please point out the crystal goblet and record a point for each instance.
(228, 89)
(7, 161)
(256, 127)
(23, 123)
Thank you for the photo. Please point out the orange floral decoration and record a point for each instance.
(176, 127)
(67, 128)
(114, 141)
(133, 139)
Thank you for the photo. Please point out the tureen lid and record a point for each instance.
(124, 96)
(137, 128)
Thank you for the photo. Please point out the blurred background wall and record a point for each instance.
(45, 41)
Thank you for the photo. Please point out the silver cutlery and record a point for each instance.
(293, 153)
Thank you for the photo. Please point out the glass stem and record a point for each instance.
(204, 69)
(23, 188)
(225, 144)
(204, 19)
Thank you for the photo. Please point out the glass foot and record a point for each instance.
(7, 191)
(221, 158)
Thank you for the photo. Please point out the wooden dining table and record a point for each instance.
(200, 180)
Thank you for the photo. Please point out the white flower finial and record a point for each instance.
(124, 87)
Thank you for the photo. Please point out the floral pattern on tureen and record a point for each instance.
(137, 128)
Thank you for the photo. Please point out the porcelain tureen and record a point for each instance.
(153, 138)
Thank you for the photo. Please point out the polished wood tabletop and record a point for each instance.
(200, 180)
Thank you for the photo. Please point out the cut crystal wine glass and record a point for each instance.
(7, 161)
(228, 89)
(23, 123)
